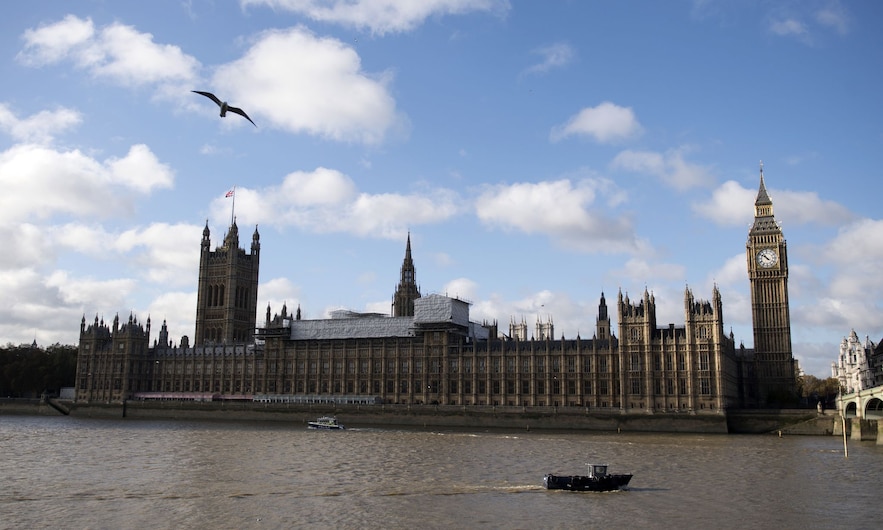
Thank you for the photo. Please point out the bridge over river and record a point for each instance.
(863, 410)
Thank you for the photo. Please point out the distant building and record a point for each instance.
(429, 351)
(854, 368)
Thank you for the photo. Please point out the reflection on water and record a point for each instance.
(77, 473)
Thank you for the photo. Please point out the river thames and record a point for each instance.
(65, 472)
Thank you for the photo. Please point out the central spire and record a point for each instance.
(406, 291)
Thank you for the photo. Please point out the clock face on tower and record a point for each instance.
(767, 258)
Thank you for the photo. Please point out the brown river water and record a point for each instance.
(64, 472)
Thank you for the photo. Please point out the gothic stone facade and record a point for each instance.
(434, 355)
(227, 293)
(428, 351)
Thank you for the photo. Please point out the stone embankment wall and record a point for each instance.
(759, 421)
(441, 416)
(785, 422)
(26, 407)
(472, 417)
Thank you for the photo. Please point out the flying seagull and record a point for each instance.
(224, 106)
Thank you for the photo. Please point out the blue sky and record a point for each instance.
(539, 154)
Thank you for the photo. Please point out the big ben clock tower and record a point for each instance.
(767, 255)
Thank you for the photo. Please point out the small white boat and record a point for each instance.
(325, 422)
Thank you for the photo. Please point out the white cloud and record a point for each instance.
(73, 290)
(52, 43)
(380, 16)
(732, 273)
(788, 27)
(732, 279)
(92, 240)
(326, 200)
(855, 286)
(733, 205)
(569, 317)
(70, 182)
(815, 358)
(27, 244)
(282, 292)
(553, 56)
(116, 52)
(61, 182)
(140, 170)
(670, 167)
(729, 204)
(322, 187)
(641, 272)
(560, 209)
(462, 288)
(48, 305)
(132, 58)
(163, 253)
(43, 300)
(29, 313)
(860, 243)
(303, 83)
(806, 207)
(606, 123)
(39, 128)
(178, 310)
(834, 16)
(802, 22)
(442, 259)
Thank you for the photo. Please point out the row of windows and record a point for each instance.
(702, 332)
(215, 335)
(404, 387)
(636, 364)
(216, 296)
(416, 366)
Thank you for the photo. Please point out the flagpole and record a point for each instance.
(233, 208)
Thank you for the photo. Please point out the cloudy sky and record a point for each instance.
(539, 154)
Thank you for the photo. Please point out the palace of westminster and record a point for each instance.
(428, 351)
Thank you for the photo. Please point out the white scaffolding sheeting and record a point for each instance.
(430, 309)
(352, 328)
(437, 308)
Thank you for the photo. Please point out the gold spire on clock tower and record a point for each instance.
(767, 255)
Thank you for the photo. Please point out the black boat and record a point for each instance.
(597, 480)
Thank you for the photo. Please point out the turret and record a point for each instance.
(255, 241)
(602, 324)
(206, 240)
(231, 240)
(164, 335)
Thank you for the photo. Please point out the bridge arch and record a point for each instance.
(850, 410)
(874, 409)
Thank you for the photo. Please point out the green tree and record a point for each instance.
(27, 370)
(812, 390)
